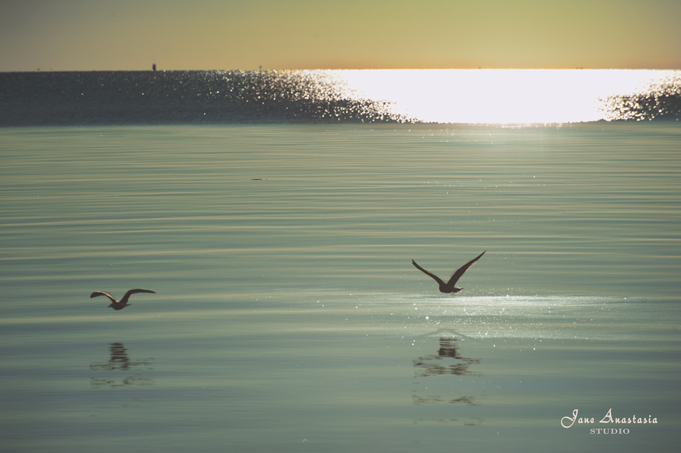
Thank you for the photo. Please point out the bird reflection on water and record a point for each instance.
(449, 348)
(432, 365)
(119, 361)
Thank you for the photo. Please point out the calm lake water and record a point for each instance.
(287, 315)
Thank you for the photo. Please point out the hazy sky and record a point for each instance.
(331, 34)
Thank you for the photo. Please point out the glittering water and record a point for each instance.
(521, 96)
(339, 96)
(288, 315)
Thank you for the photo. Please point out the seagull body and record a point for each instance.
(449, 287)
(120, 305)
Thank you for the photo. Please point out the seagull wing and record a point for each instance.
(102, 293)
(462, 270)
(134, 291)
(430, 274)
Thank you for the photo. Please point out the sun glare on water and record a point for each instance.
(505, 96)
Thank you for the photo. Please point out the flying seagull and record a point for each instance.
(449, 287)
(120, 305)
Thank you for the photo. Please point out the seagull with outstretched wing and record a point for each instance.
(449, 287)
(120, 305)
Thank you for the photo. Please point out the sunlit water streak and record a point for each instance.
(287, 308)
(504, 96)
(338, 96)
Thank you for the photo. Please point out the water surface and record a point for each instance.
(288, 315)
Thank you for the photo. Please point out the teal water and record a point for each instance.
(288, 316)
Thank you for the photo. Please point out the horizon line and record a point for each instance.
(348, 69)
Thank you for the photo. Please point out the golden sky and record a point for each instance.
(338, 34)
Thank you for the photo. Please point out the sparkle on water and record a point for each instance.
(502, 96)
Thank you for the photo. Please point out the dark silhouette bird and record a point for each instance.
(449, 287)
(120, 305)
